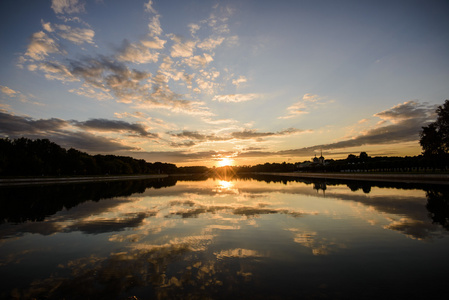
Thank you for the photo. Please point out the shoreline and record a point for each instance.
(405, 178)
(53, 180)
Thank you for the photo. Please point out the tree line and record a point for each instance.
(41, 157)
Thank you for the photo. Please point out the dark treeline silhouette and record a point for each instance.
(26, 157)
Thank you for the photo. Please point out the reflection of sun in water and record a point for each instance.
(225, 161)
(223, 184)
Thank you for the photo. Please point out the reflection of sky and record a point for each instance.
(200, 227)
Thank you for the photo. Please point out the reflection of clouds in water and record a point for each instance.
(319, 245)
(387, 205)
(101, 225)
(173, 270)
(195, 209)
(238, 253)
(415, 229)
(221, 227)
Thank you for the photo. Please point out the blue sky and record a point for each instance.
(193, 82)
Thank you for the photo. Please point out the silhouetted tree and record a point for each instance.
(435, 137)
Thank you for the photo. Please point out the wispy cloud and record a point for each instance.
(60, 131)
(41, 45)
(302, 106)
(67, 6)
(406, 121)
(181, 47)
(111, 76)
(192, 138)
(10, 92)
(137, 53)
(75, 35)
(114, 126)
(253, 134)
(239, 81)
(236, 97)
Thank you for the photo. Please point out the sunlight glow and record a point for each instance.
(225, 161)
(225, 184)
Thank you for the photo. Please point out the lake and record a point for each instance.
(225, 238)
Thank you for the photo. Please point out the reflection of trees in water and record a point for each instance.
(35, 203)
(438, 206)
(437, 195)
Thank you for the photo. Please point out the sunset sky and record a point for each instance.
(193, 82)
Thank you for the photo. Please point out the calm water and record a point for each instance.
(224, 239)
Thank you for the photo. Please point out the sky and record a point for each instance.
(223, 82)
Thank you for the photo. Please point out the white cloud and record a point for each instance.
(67, 6)
(403, 111)
(10, 92)
(211, 43)
(41, 45)
(198, 60)
(311, 97)
(76, 35)
(136, 53)
(55, 70)
(206, 86)
(236, 97)
(193, 28)
(300, 107)
(155, 26)
(87, 90)
(180, 48)
(156, 43)
(149, 7)
(238, 81)
(295, 110)
(47, 26)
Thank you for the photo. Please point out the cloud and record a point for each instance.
(155, 26)
(10, 92)
(57, 131)
(155, 43)
(253, 134)
(195, 135)
(193, 28)
(137, 53)
(15, 125)
(235, 97)
(300, 107)
(406, 119)
(67, 6)
(85, 141)
(109, 225)
(211, 43)
(47, 26)
(114, 125)
(41, 45)
(55, 71)
(181, 48)
(75, 35)
(240, 80)
(113, 76)
(198, 61)
(405, 111)
(149, 7)
(87, 90)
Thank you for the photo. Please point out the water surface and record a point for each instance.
(251, 238)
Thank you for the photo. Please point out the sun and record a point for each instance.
(225, 161)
